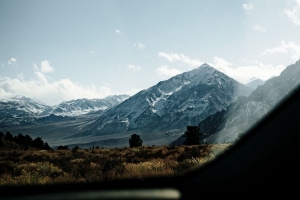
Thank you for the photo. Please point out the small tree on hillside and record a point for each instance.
(192, 135)
(135, 141)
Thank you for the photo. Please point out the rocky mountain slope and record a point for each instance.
(226, 126)
(25, 111)
(159, 114)
(84, 106)
(170, 106)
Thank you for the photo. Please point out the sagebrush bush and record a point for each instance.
(25, 167)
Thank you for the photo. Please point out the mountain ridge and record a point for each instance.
(21, 110)
(159, 114)
(170, 105)
(227, 126)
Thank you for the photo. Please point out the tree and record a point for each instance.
(2, 135)
(135, 141)
(38, 143)
(75, 150)
(62, 147)
(8, 136)
(1, 139)
(192, 135)
(47, 147)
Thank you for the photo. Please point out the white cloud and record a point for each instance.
(135, 68)
(51, 93)
(180, 58)
(290, 48)
(41, 77)
(48, 91)
(294, 13)
(118, 32)
(244, 73)
(21, 76)
(92, 52)
(259, 28)
(248, 7)
(139, 46)
(221, 64)
(166, 72)
(45, 67)
(12, 61)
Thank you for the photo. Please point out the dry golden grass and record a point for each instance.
(28, 167)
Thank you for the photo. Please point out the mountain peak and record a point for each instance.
(20, 97)
(206, 65)
(254, 82)
(253, 79)
(203, 70)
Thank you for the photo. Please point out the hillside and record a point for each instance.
(159, 114)
(163, 111)
(225, 126)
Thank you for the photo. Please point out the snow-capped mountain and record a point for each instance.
(20, 110)
(23, 111)
(225, 126)
(20, 106)
(84, 106)
(254, 82)
(171, 105)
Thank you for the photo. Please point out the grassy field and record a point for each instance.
(38, 167)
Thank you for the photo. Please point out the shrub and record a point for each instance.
(62, 147)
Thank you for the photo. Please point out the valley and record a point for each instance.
(221, 107)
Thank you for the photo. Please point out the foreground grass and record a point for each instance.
(38, 167)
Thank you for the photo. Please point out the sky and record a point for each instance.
(59, 50)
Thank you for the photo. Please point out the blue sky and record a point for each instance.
(53, 51)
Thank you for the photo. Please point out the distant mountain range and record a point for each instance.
(206, 97)
(21, 110)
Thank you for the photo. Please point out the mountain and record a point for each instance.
(85, 106)
(167, 108)
(228, 124)
(20, 106)
(254, 82)
(21, 110)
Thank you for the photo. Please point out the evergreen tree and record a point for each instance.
(8, 136)
(28, 140)
(192, 135)
(47, 147)
(135, 141)
(38, 143)
(1, 139)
